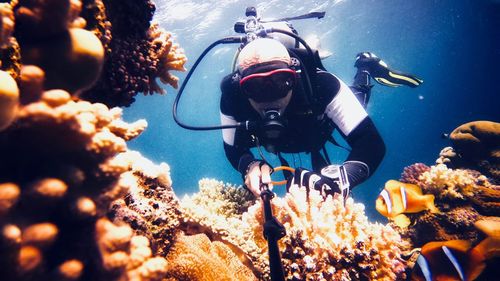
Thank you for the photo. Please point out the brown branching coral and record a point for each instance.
(196, 258)
(411, 174)
(119, 39)
(94, 14)
(138, 53)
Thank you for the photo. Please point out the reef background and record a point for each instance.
(452, 45)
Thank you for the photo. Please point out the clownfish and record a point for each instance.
(398, 198)
(455, 259)
(448, 260)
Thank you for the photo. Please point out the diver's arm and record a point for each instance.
(239, 155)
(368, 148)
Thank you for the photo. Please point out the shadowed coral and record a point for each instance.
(46, 18)
(51, 36)
(9, 194)
(31, 83)
(72, 61)
(149, 206)
(6, 23)
(197, 258)
(94, 13)
(55, 171)
(127, 255)
(9, 99)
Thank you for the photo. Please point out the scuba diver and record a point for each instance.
(270, 84)
(280, 96)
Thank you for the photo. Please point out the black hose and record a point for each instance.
(227, 40)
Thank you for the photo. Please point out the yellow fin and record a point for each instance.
(401, 221)
(430, 204)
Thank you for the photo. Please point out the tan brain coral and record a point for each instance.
(197, 258)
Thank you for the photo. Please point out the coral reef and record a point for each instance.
(196, 258)
(325, 239)
(138, 52)
(462, 196)
(464, 182)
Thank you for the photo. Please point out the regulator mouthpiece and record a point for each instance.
(273, 125)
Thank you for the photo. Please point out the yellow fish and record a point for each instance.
(398, 198)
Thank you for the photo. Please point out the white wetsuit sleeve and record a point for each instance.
(228, 134)
(345, 110)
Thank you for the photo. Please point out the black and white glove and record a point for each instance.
(333, 179)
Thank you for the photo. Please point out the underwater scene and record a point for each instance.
(249, 140)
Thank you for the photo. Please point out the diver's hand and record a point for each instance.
(311, 180)
(258, 172)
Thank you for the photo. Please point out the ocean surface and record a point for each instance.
(453, 45)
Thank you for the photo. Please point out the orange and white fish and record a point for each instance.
(455, 259)
(398, 198)
(447, 261)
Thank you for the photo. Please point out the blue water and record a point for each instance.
(453, 45)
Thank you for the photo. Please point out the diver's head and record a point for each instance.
(266, 77)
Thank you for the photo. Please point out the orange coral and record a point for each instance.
(197, 258)
(123, 252)
(170, 57)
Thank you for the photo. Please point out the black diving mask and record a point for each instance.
(268, 86)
